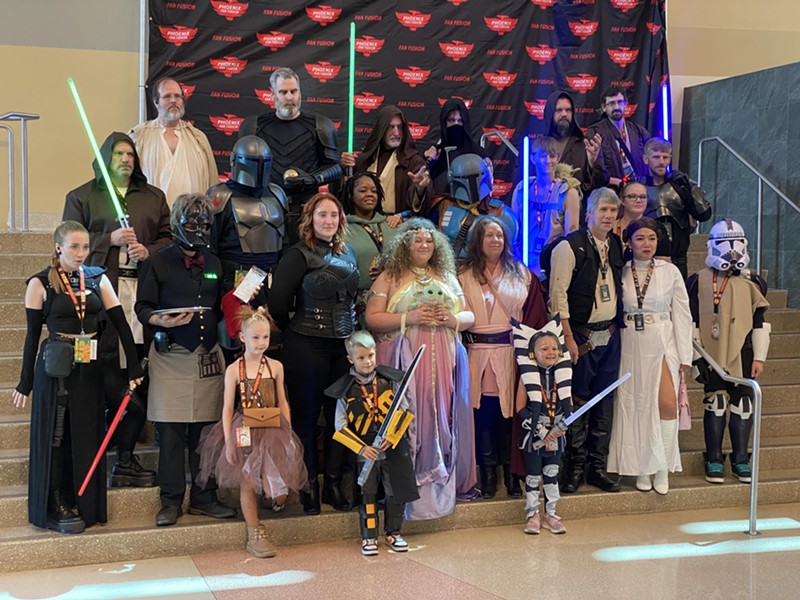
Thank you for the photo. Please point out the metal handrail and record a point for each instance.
(502, 137)
(761, 181)
(23, 119)
(12, 186)
(753, 384)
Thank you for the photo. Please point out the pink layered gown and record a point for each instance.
(442, 433)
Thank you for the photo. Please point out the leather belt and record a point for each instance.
(128, 273)
(595, 338)
(504, 337)
(649, 318)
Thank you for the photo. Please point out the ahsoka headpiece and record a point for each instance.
(727, 247)
(529, 370)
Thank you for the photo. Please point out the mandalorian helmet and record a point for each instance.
(470, 180)
(727, 247)
(190, 220)
(251, 162)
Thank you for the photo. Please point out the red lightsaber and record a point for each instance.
(123, 405)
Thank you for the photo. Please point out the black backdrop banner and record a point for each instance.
(503, 58)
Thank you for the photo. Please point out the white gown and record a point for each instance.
(636, 445)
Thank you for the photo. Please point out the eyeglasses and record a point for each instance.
(638, 198)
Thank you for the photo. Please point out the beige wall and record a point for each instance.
(715, 39)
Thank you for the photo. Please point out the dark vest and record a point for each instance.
(326, 298)
(581, 291)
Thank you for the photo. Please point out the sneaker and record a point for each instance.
(369, 547)
(554, 524)
(533, 525)
(742, 472)
(396, 542)
(257, 543)
(715, 472)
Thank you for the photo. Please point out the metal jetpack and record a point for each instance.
(563, 424)
(393, 408)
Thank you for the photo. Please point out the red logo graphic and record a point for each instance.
(583, 28)
(178, 34)
(664, 78)
(536, 108)
(457, 2)
(413, 76)
(188, 90)
(228, 65)
(223, 177)
(654, 29)
(501, 79)
(413, 19)
(501, 24)
(367, 101)
(323, 71)
(625, 5)
(466, 102)
(542, 53)
(230, 9)
(630, 109)
(336, 125)
(368, 45)
(274, 39)
(582, 83)
(544, 4)
(266, 97)
(227, 124)
(623, 56)
(506, 131)
(456, 49)
(418, 131)
(651, 106)
(324, 14)
(501, 188)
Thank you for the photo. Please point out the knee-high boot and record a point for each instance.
(669, 441)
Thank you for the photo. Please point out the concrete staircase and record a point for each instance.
(131, 534)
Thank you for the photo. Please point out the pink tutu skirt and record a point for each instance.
(273, 463)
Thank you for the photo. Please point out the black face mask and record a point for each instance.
(193, 230)
(455, 135)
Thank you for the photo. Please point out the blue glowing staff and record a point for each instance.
(526, 194)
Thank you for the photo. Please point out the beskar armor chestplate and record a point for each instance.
(260, 222)
(325, 303)
(664, 202)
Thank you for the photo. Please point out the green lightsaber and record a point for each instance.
(352, 86)
(112, 191)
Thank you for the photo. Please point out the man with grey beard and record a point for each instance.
(305, 153)
(175, 156)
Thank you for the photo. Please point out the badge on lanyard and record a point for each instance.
(85, 349)
(605, 293)
(638, 322)
(551, 446)
(243, 437)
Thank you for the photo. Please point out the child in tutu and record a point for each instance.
(255, 458)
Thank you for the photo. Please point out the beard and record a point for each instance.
(562, 128)
(287, 111)
(175, 114)
(392, 143)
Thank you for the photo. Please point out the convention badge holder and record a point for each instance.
(243, 437)
(551, 446)
(247, 285)
(85, 349)
(638, 320)
(605, 293)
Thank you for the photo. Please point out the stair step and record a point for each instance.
(778, 399)
(7, 408)
(24, 265)
(27, 243)
(772, 427)
(13, 288)
(12, 312)
(133, 538)
(784, 320)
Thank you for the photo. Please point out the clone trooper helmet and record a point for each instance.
(727, 247)
(251, 162)
(470, 180)
(190, 221)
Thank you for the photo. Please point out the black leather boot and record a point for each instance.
(60, 517)
(488, 481)
(310, 499)
(513, 482)
(128, 471)
(333, 494)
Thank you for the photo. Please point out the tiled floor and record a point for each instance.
(685, 555)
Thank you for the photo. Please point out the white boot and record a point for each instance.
(669, 438)
(643, 483)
